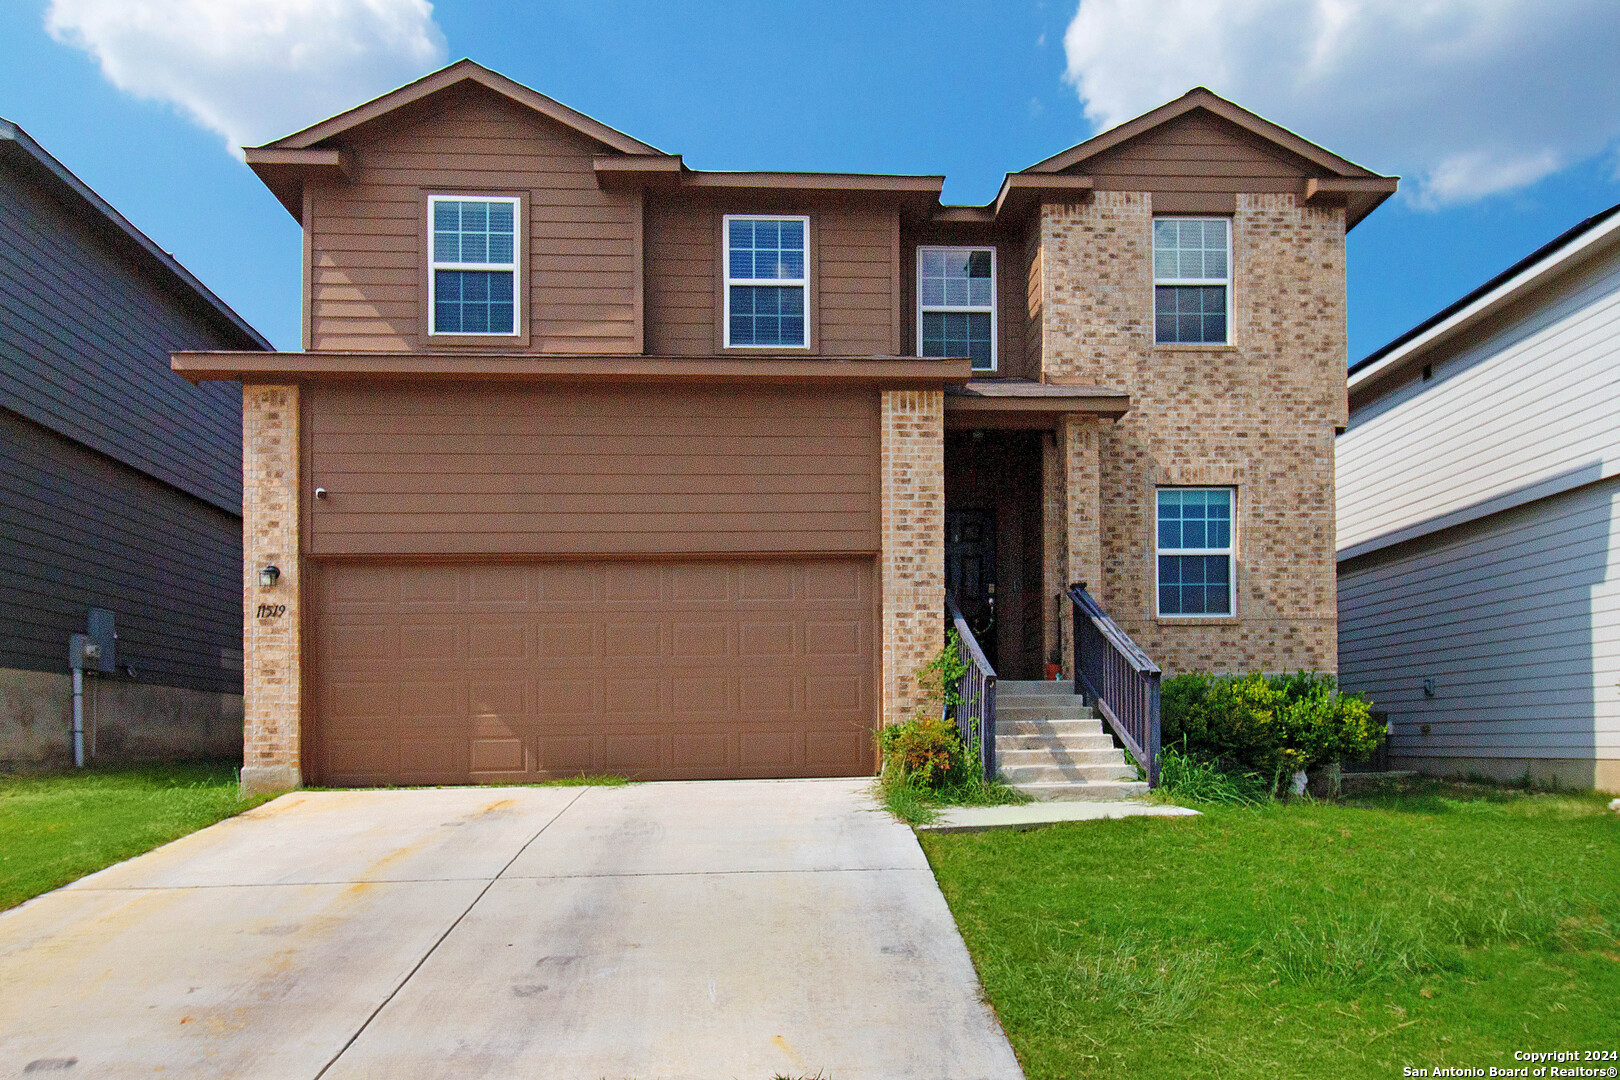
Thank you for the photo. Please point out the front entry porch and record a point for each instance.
(1022, 527)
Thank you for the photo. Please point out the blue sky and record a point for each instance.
(970, 90)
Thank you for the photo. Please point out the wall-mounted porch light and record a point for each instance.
(268, 577)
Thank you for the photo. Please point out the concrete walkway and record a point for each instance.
(1036, 814)
(706, 930)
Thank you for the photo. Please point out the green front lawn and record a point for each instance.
(55, 829)
(1438, 925)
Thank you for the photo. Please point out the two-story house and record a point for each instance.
(597, 462)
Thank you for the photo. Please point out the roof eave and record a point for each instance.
(463, 70)
(26, 150)
(1202, 98)
(1503, 289)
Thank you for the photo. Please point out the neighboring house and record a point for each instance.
(598, 462)
(1479, 542)
(121, 482)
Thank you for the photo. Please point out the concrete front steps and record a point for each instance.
(1052, 747)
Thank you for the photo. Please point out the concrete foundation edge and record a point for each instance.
(270, 779)
(1598, 774)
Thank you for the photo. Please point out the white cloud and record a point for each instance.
(253, 70)
(1467, 98)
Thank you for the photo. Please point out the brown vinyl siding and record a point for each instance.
(582, 262)
(581, 470)
(856, 249)
(1196, 154)
(1030, 312)
(682, 264)
(851, 263)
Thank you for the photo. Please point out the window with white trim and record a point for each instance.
(1192, 279)
(767, 282)
(1195, 551)
(956, 304)
(473, 276)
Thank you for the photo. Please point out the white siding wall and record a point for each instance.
(1527, 407)
(1517, 620)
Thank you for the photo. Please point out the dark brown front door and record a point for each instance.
(970, 570)
(449, 672)
(993, 512)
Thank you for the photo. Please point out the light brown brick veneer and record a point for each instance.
(913, 560)
(1258, 415)
(272, 650)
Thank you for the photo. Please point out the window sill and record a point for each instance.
(1177, 346)
(1196, 620)
(480, 342)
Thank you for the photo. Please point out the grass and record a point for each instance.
(584, 780)
(57, 828)
(920, 806)
(1425, 924)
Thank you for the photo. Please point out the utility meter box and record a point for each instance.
(98, 649)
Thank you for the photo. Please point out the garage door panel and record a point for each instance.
(658, 670)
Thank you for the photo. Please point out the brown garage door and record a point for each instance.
(487, 672)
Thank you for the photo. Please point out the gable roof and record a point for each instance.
(18, 148)
(462, 71)
(1550, 258)
(1201, 98)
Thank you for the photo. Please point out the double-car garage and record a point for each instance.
(659, 581)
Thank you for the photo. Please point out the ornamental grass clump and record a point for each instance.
(1265, 727)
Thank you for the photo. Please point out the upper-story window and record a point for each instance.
(1192, 278)
(473, 282)
(1195, 551)
(767, 282)
(956, 304)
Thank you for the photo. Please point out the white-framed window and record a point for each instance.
(1194, 548)
(473, 277)
(956, 304)
(767, 281)
(1192, 280)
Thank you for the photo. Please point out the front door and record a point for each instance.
(970, 570)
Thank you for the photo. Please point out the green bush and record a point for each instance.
(924, 751)
(1270, 726)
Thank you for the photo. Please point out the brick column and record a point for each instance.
(1081, 439)
(913, 559)
(271, 642)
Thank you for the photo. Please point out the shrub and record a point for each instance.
(1270, 726)
(924, 751)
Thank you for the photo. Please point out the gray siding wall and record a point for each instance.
(79, 530)
(1524, 406)
(85, 337)
(1516, 617)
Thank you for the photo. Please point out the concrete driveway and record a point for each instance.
(742, 929)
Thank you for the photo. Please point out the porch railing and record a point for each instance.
(1116, 677)
(976, 712)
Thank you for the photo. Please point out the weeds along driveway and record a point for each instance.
(723, 929)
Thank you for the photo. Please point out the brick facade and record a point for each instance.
(272, 646)
(1258, 415)
(913, 560)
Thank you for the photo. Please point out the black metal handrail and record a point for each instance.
(976, 713)
(1116, 677)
